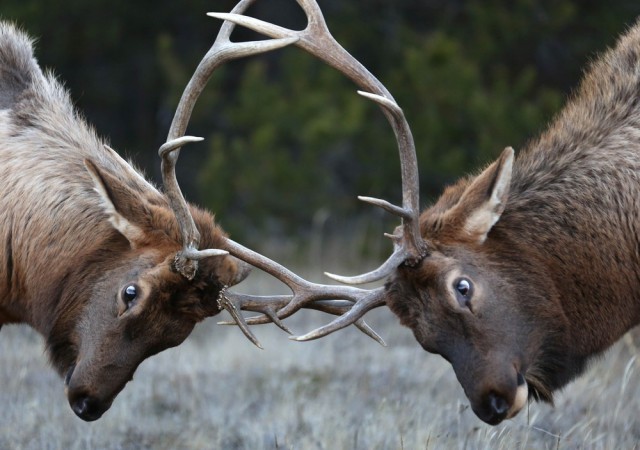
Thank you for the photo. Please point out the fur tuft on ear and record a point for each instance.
(484, 200)
(118, 201)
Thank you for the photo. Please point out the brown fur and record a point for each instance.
(557, 277)
(77, 224)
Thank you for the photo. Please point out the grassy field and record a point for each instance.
(342, 392)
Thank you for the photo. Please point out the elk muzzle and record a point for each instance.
(493, 382)
(88, 403)
(501, 399)
(87, 408)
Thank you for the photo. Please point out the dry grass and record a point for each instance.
(342, 392)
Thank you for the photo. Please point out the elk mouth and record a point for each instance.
(498, 404)
(521, 397)
(85, 405)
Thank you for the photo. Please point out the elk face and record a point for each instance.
(134, 312)
(138, 305)
(458, 306)
(462, 303)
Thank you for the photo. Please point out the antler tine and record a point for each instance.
(409, 248)
(221, 51)
(305, 295)
(396, 259)
(340, 308)
(257, 304)
(317, 40)
(368, 301)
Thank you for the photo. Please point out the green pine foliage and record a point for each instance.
(288, 137)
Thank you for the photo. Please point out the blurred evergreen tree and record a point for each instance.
(287, 136)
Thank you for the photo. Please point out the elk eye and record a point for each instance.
(463, 287)
(464, 290)
(129, 294)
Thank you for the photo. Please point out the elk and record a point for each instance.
(520, 274)
(90, 250)
(129, 278)
(106, 267)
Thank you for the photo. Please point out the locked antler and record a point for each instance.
(186, 260)
(318, 41)
(409, 247)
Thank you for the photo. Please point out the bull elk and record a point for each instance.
(91, 254)
(105, 266)
(523, 273)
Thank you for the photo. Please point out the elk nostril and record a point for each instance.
(520, 379)
(87, 408)
(499, 408)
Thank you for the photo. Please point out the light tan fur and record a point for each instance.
(78, 225)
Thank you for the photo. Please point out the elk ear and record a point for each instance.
(484, 200)
(232, 270)
(120, 203)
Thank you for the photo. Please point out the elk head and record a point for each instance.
(464, 303)
(136, 301)
(148, 283)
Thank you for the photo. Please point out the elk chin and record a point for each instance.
(521, 398)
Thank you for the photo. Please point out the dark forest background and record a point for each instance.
(288, 142)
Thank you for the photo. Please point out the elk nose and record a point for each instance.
(87, 408)
(498, 407)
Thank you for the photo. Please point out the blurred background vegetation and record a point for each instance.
(289, 144)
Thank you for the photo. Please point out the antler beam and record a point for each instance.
(318, 41)
(409, 247)
(221, 51)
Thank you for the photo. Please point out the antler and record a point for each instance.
(409, 247)
(349, 302)
(305, 295)
(222, 50)
(318, 41)
(186, 260)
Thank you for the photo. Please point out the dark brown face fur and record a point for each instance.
(475, 299)
(116, 331)
(130, 303)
